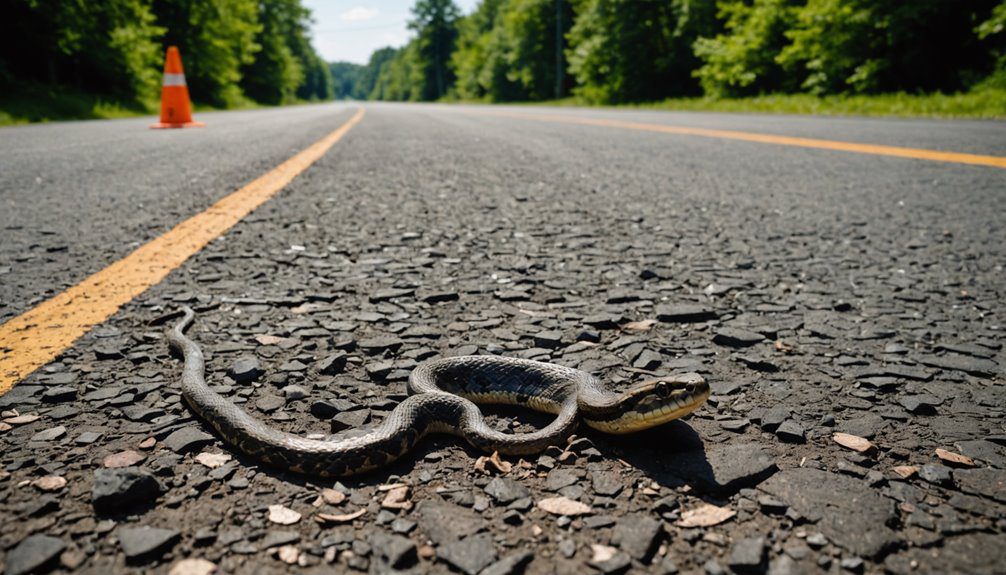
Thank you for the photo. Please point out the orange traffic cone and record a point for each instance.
(176, 111)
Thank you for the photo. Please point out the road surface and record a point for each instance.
(841, 292)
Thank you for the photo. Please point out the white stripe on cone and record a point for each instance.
(174, 80)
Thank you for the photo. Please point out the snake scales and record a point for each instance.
(442, 398)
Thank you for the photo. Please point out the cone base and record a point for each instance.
(163, 126)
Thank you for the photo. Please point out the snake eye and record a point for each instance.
(661, 389)
(690, 388)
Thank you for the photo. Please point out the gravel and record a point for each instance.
(817, 292)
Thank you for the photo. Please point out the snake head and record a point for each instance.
(652, 403)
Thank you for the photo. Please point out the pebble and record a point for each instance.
(141, 544)
(187, 439)
(504, 491)
(118, 489)
(469, 555)
(733, 337)
(791, 432)
(51, 434)
(34, 554)
(684, 313)
(936, 474)
(747, 555)
(638, 534)
(511, 564)
(245, 370)
(394, 551)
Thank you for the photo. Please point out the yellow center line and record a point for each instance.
(873, 149)
(36, 337)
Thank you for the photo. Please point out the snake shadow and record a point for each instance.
(673, 454)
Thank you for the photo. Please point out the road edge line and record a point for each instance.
(761, 138)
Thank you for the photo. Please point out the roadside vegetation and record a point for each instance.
(873, 57)
(64, 59)
(74, 59)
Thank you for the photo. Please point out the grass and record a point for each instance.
(34, 103)
(37, 103)
(31, 103)
(987, 103)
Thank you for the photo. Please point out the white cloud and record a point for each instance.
(358, 14)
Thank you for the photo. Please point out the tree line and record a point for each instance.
(616, 51)
(232, 50)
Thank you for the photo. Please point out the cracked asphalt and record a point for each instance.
(845, 308)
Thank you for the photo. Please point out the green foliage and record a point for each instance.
(436, 25)
(992, 33)
(216, 39)
(114, 50)
(834, 46)
(94, 59)
(872, 45)
(345, 76)
(108, 47)
(527, 36)
(367, 80)
(479, 63)
(634, 50)
(742, 59)
(402, 77)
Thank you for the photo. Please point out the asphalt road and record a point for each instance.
(125, 185)
(842, 292)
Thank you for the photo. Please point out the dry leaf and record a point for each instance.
(643, 325)
(905, 471)
(954, 458)
(123, 459)
(705, 516)
(482, 464)
(283, 515)
(854, 442)
(50, 483)
(390, 486)
(268, 339)
(782, 347)
(193, 566)
(332, 496)
(602, 553)
(564, 506)
(339, 518)
(5, 427)
(309, 308)
(397, 498)
(148, 444)
(213, 460)
(22, 419)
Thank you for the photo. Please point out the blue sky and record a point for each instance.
(352, 29)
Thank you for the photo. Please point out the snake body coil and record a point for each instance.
(442, 398)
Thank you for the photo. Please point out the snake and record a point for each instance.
(443, 397)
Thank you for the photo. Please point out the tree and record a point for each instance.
(992, 32)
(531, 35)
(110, 47)
(477, 65)
(742, 60)
(634, 50)
(217, 38)
(345, 76)
(876, 45)
(435, 22)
